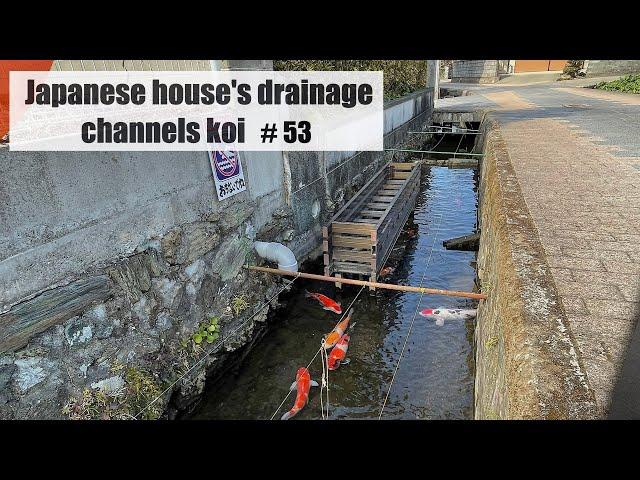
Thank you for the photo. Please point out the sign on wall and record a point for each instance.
(227, 173)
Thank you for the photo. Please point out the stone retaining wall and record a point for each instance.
(475, 71)
(526, 361)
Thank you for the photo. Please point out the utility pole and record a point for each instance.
(433, 77)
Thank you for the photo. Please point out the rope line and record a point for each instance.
(406, 339)
(325, 380)
(215, 347)
(439, 141)
(459, 143)
(317, 352)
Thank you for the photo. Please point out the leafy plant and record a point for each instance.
(239, 304)
(207, 332)
(628, 84)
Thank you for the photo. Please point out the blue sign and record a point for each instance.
(227, 173)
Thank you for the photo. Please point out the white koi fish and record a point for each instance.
(442, 314)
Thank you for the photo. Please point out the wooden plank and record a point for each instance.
(402, 191)
(396, 218)
(466, 242)
(352, 228)
(372, 213)
(377, 176)
(401, 175)
(377, 206)
(346, 267)
(351, 242)
(363, 198)
(358, 256)
(403, 165)
(382, 199)
(363, 221)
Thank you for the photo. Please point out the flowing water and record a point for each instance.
(435, 376)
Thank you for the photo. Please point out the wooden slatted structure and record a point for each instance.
(361, 235)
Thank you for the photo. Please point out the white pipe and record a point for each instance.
(276, 252)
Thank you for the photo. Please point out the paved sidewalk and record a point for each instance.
(576, 153)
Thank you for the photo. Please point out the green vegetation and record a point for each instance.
(207, 332)
(139, 390)
(628, 84)
(239, 304)
(572, 68)
(401, 77)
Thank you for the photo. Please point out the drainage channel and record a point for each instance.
(436, 375)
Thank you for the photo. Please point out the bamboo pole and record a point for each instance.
(387, 286)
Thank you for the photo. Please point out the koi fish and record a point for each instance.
(442, 314)
(326, 302)
(337, 332)
(339, 352)
(386, 271)
(302, 384)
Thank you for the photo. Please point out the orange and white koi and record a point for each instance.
(303, 384)
(339, 353)
(442, 314)
(326, 302)
(337, 332)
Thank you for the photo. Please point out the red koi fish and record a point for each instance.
(339, 353)
(442, 314)
(326, 302)
(337, 332)
(303, 384)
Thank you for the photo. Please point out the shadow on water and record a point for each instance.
(435, 378)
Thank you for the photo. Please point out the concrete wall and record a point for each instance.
(475, 71)
(526, 361)
(109, 261)
(596, 68)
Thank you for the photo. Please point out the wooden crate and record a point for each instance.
(361, 235)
